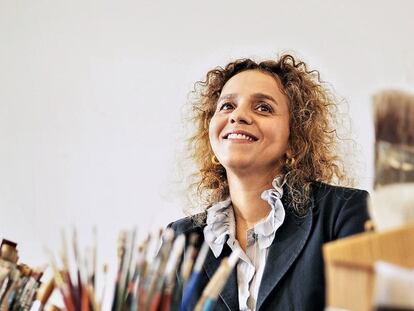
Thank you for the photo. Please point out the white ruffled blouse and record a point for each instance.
(221, 226)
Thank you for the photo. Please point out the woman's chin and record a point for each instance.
(240, 165)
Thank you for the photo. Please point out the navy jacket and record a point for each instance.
(293, 278)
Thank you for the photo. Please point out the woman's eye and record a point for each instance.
(264, 108)
(226, 106)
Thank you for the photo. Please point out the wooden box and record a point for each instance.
(349, 265)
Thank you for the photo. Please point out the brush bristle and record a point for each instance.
(394, 117)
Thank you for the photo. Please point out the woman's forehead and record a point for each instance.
(252, 83)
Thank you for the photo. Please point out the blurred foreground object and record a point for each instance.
(392, 206)
(350, 262)
(394, 287)
(393, 195)
(151, 277)
(357, 276)
(154, 276)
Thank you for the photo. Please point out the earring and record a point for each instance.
(290, 161)
(215, 161)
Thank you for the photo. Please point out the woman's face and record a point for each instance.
(249, 130)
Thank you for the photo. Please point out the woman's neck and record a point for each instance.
(245, 192)
(249, 208)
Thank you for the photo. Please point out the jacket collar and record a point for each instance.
(230, 294)
(285, 249)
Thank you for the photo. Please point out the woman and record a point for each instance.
(265, 150)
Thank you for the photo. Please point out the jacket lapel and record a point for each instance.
(288, 243)
(230, 292)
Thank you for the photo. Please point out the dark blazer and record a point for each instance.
(293, 278)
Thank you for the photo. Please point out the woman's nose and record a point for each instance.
(240, 115)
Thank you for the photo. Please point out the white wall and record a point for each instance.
(92, 92)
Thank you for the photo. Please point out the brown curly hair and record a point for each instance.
(313, 138)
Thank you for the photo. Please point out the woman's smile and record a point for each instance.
(239, 136)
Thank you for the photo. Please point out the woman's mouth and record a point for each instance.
(240, 137)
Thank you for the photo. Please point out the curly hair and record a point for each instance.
(312, 141)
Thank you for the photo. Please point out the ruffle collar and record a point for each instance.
(221, 222)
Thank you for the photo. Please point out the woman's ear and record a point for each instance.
(289, 153)
(290, 159)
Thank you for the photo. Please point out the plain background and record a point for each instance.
(93, 93)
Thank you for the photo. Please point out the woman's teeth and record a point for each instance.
(239, 136)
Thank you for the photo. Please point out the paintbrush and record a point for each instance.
(121, 259)
(94, 257)
(76, 253)
(393, 196)
(8, 251)
(217, 283)
(10, 288)
(43, 295)
(170, 273)
(145, 278)
(19, 295)
(195, 276)
(394, 137)
(25, 296)
(131, 299)
(190, 255)
(142, 268)
(62, 285)
(185, 271)
(8, 260)
(105, 273)
(66, 270)
(85, 297)
(126, 267)
(156, 284)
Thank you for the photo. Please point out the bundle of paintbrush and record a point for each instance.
(77, 286)
(19, 283)
(165, 273)
(160, 274)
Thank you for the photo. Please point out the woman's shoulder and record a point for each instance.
(323, 191)
(344, 210)
(188, 224)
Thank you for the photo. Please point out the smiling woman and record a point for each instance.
(265, 148)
